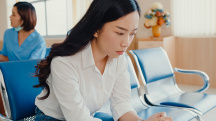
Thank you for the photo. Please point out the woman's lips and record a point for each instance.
(120, 52)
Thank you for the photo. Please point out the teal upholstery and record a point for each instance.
(17, 88)
(47, 51)
(161, 88)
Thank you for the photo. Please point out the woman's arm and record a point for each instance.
(129, 116)
(66, 87)
(121, 98)
(3, 58)
(132, 116)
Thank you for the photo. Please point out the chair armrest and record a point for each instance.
(5, 102)
(204, 76)
(103, 116)
(3, 118)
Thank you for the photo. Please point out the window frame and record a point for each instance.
(46, 22)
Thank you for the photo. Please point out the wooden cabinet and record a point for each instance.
(149, 44)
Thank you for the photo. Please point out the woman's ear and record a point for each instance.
(96, 34)
(21, 23)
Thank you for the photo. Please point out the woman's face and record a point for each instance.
(116, 36)
(15, 18)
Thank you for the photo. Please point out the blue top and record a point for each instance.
(34, 46)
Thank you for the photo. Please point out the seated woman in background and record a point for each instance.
(23, 42)
(89, 67)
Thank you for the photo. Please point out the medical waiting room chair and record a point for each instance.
(160, 86)
(19, 95)
(17, 90)
(143, 109)
(47, 51)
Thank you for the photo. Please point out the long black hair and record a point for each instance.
(99, 13)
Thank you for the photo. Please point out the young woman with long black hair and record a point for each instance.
(89, 67)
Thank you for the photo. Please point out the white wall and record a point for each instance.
(145, 5)
(3, 18)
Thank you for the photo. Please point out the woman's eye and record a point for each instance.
(133, 34)
(120, 33)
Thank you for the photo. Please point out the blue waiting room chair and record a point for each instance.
(160, 86)
(47, 51)
(143, 109)
(17, 90)
(19, 95)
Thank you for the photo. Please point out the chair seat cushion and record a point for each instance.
(175, 113)
(199, 101)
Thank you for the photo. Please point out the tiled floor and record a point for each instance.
(209, 116)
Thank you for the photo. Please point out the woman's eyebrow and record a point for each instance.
(124, 28)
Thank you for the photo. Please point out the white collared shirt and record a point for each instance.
(78, 89)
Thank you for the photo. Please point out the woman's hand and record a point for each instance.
(159, 117)
(3, 58)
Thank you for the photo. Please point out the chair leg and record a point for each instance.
(199, 118)
(2, 111)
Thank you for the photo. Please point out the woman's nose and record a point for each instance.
(126, 42)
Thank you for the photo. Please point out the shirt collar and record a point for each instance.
(88, 59)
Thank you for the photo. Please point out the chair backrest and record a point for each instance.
(136, 100)
(133, 77)
(47, 51)
(156, 71)
(18, 85)
(154, 63)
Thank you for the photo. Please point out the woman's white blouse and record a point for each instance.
(78, 89)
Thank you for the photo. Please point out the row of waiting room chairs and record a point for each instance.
(47, 52)
(161, 91)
